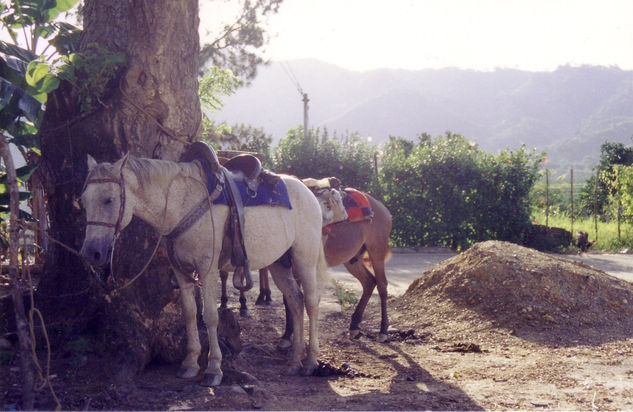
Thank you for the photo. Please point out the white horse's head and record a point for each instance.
(107, 212)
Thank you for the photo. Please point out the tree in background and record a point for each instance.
(241, 138)
(318, 155)
(611, 155)
(446, 191)
(238, 45)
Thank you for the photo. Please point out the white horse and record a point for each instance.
(162, 193)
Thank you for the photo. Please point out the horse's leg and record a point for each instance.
(189, 367)
(213, 373)
(286, 282)
(378, 265)
(368, 282)
(264, 288)
(243, 308)
(224, 275)
(307, 275)
(285, 340)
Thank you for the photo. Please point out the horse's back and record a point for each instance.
(279, 228)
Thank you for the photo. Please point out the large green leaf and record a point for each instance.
(4, 214)
(61, 6)
(15, 102)
(35, 72)
(67, 39)
(5, 197)
(29, 141)
(17, 52)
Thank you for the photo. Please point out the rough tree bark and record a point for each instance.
(151, 110)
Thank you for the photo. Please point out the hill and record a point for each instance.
(569, 112)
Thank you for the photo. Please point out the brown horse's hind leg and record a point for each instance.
(224, 299)
(367, 280)
(378, 266)
(264, 289)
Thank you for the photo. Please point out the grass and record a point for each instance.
(607, 237)
(344, 296)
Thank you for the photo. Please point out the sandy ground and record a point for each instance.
(406, 265)
(442, 356)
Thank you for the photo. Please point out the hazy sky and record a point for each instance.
(478, 34)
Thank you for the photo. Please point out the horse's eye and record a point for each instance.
(108, 200)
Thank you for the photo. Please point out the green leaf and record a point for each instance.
(29, 141)
(36, 72)
(61, 6)
(5, 197)
(24, 173)
(4, 214)
(49, 83)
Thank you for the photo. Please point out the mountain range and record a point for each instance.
(568, 112)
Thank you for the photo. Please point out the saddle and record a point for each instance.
(242, 168)
(330, 196)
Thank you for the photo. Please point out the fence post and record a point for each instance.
(595, 203)
(571, 192)
(619, 206)
(546, 197)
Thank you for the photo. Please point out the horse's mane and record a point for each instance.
(148, 171)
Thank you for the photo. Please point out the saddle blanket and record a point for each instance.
(267, 195)
(356, 205)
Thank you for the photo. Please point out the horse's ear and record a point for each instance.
(118, 166)
(91, 163)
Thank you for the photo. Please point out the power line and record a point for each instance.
(304, 96)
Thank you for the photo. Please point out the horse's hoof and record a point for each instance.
(355, 333)
(244, 313)
(210, 379)
(187, 373)
(260, 301)
(309, 370)
(383, 337)
(294, 370)
(284, 344)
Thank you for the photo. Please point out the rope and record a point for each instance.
(129, 282)
(44, 377)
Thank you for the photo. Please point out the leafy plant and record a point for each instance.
(445, 191)
(317, 154)
(344, 296)
(90, 73)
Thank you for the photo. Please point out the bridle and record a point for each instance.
(121, 182)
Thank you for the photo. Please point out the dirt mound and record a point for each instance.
(528, 292)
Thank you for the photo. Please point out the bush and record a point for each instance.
(447, 192)
(318, 155)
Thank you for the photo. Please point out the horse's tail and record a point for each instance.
(323, 278)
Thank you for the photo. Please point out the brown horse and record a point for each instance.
(363, 247)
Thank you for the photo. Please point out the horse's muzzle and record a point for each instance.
(96, 252)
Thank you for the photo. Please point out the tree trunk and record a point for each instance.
(151, 109)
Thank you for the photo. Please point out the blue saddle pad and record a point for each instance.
(267, 195)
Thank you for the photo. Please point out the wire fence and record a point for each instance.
(576, 200)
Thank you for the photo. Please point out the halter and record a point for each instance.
(121, 182)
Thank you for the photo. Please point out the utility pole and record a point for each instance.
(305, 115)
(303, 94)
